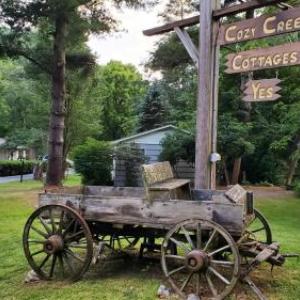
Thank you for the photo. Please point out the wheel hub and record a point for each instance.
(54, 244)
(196, 260)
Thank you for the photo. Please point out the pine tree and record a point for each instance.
(153, 111)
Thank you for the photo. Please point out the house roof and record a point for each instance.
(149, 132)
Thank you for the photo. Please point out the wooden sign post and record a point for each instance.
(212, 36)
(207, 96)
(262, 90)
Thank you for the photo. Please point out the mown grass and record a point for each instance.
(130, 280)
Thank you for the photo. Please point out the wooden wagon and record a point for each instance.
(209, 241)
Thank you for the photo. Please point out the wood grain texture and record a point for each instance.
(262, 90)
(261, 27)
(264, 58)
(159, 214)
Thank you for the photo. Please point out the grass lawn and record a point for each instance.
(129, 281)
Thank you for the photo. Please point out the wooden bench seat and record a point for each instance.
(169, 184)
(160, 183)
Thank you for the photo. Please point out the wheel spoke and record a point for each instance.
(69, 263)
(61, 263)
(79, 246)
(37, 252)
(198, 284)
(35, 241)
(210, 240)
(44, 261)
(178, 257)
(222, 263)
(257, 230)
(52, 266)
(68, 227)
(187, 236)
(52, 220)
(38, 231)
(71, 237)
(61, 220)
(220, 276)
(48, 229)
(180, 244)
(176, 270)
(199, 236)
(211, 285)
(186, 282)
(75, 255)
(219, 250)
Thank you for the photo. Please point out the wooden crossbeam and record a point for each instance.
(170, 26)
(238, 8)
(231, 10)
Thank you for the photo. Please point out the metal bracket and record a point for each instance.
(188, 44)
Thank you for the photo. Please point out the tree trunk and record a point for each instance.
(227, 179)
(57, 118)
(293, 164)
(236, 170)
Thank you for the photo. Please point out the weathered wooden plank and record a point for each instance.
(159, 214)
(157, 172)
(262, 90)
(170, 26)
(264, 58)
(234, 9)
(239, 8)
(169, 184)
(261, 27)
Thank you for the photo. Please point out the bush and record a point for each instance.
(16, 167)
(93, 161)
(297, 188)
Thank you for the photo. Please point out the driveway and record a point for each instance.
(15, 178)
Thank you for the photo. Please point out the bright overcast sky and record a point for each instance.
(130, 46)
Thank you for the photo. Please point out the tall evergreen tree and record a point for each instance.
(153, 111)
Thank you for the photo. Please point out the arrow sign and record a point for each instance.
(262, 90)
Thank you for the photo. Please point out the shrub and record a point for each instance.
(16, 167)
(297, 188)
(93, 161)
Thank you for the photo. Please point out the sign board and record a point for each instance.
(261, 27)
(262, 90)
(264, 58)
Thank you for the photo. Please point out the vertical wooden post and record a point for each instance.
(204, 173)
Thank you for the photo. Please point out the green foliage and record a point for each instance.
(153, 111)
(121, 89)
(16, 167)
(180, 145)
(297, 188)
(93, 160)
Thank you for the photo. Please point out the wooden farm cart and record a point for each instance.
(206, 246)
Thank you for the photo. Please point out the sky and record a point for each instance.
(129, 46)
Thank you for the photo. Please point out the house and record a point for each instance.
(16, 153)
(149, 145)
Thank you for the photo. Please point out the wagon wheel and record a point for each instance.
(58, 243)
(259, 229)
(207, 262)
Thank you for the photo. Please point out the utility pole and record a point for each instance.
(206, 136)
